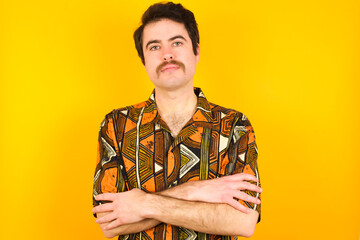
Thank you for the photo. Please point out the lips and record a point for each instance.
(169, 67)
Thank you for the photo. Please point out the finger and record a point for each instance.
(235, 204)
(248, 186)
(245, 176)
(105, 196)
(246, 197)
(107, 218)
(107, 207)
(113, 224)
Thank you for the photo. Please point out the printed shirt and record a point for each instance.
(136, 150)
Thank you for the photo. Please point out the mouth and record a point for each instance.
(169, 68)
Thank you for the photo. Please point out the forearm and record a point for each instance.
(206, 206)
(212, 218)
(183, 191)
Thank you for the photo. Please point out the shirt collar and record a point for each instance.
(203, 115)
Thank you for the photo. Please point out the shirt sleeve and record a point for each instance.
(108, 177)
(245, 155)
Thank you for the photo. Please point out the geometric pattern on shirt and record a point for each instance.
(136, 150)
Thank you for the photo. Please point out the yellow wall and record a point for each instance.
(293, 68)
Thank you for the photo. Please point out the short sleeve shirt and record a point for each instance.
(136, 150)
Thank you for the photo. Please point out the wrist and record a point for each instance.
(150, 205)
(190, 190)
(185, 191)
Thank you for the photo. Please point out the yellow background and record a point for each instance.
(291, 66)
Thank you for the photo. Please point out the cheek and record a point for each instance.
(192, 66)
(151, 71)
(150, 63)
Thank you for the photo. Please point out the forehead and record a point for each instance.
(163, 30)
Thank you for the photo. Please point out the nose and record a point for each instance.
(168, 54)
(168, 57)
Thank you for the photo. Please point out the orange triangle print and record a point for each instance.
(148, 142)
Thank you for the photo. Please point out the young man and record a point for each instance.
(175, 166)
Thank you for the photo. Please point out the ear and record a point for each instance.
(197, 53)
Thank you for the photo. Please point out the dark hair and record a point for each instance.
(167, 10)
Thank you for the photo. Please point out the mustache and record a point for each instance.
(180, 64)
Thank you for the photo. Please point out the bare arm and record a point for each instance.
(212, 218)
(199, 216)
(220, 190)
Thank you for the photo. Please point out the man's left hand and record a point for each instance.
(123, 208)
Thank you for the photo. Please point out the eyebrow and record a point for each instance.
(170, 39)
(177, 36)
(151, 42)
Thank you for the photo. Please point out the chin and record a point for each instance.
(170, 84)
(170, 87)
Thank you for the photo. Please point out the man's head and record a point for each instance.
(167, 43)
(174, 12)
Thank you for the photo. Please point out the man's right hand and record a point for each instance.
(220, 190)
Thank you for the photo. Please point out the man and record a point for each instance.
(175, 166)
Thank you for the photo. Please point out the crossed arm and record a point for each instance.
(206, 206)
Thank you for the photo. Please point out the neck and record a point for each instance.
(176, 108)
(175, 102)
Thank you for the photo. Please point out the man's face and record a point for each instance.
(169, 58)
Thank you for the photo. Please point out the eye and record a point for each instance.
(154, 48)
(176, 44)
